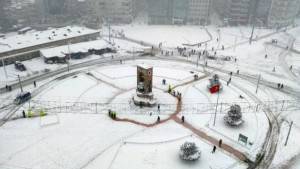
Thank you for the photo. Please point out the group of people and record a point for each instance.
(112, 114)
(175, 94)
(280, 86)
(8, 88)
(167, 53)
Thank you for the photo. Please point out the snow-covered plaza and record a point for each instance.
(78, 133)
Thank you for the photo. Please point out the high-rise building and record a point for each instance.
(53, 7)
(159, 11)
(237, 12)
(121, 11)
(198, 11)
(178, 11)
(262, 11)
(282, 12)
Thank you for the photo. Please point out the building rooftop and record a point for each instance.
(18, 41)
(83, 47)
(145, 66)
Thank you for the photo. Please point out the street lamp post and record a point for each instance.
(216, 107)
(21, 87)
(3, 64)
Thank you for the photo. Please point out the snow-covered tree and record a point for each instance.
(234, 116)
(189, 151)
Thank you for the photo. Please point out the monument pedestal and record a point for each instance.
(141, 99)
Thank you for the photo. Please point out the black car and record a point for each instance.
(20, 66)
(22, 97)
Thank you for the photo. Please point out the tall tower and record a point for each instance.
(144, 79)
(144, 95)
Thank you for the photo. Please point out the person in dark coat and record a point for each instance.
(182, 119)
(214, 149)
(23, 113)
(220, 142)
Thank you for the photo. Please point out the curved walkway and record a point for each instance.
(238, 154)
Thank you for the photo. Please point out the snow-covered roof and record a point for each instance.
(73, 48)
(14, 41)
(145, 66)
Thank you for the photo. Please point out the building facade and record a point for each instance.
(178, 11)
(282, 13)
(117, 11)
(237, 12)
(159, 11)
(198, 12)
(262, 11)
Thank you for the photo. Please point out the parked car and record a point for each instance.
(20, 66)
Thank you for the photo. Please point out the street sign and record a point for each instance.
(243, 138)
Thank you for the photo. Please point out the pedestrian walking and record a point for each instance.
(291, 67)
(220, 142)
(281, 86)
(238, 72)
(34, 84)
(158, 119)
(6, 87)
(214, 149)
(266, 56)
(179, 97)
(23, 113)
(158, 107)
(182, 119)
(278, 85)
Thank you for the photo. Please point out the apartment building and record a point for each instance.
(282, 13)
(198, 12)
(237, 12)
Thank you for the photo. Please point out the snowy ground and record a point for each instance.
(73, 111)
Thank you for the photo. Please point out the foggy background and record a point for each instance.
(40, 14)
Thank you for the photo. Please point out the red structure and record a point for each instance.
(214, 85)
(214, 89)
